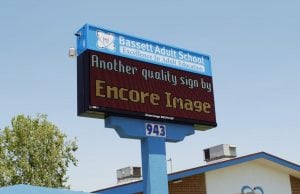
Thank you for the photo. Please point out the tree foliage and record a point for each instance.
(34, 151)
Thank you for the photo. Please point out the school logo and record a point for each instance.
(249, 190)
(105, 40)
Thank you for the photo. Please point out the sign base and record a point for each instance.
(153, 136)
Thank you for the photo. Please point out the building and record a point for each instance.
(259, 173)
(30, 189)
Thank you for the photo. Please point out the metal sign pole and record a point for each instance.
(154, 165)
(153, 137)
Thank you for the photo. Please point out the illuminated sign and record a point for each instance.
(114, 85)
(110, 42)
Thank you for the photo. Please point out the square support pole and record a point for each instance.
(153, 148)
(155, 179)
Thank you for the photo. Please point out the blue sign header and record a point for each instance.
(111, 42)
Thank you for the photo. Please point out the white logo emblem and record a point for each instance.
(105, 40)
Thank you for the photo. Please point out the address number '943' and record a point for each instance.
(155, 130)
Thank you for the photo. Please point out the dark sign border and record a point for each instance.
(85, 109)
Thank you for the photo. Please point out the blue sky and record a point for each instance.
(254, 48)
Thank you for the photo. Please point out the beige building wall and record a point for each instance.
(231, 179)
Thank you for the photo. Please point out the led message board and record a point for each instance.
(115, 85)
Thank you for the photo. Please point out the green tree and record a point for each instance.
(34, 151)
